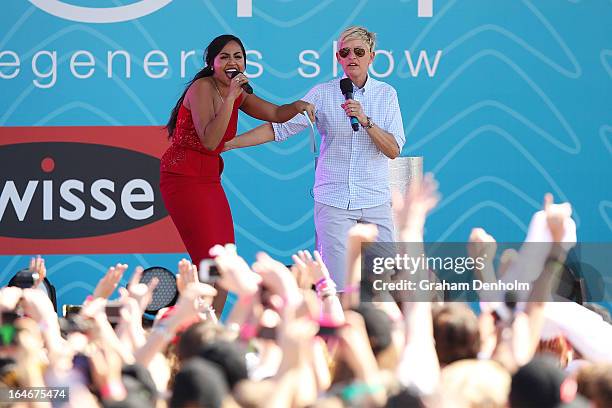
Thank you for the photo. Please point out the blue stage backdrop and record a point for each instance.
(506, 100)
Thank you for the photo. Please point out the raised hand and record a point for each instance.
(141, 292)
(236, 275)
(102, 331)
(481, 245)
(553, 224)
(37, 265)
(361, 233)
(482, 248)
(187, 273)
(296, 380)
(105, 366)
(357, 353)
(277, 278)
(107, 285)
(357, 235)
(129, 329)
(9, 297)
(311, 270)
(38, 306)
(556, 214)
(196, 298)
(301, 275)
(411, 210)
(94, 309)
(295, 337)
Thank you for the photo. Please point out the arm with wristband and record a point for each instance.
(331, 308)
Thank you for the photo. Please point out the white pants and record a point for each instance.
(332, 225)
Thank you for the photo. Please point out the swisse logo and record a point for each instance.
(59, 190)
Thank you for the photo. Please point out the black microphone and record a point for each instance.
(346, 87)
(246, 86)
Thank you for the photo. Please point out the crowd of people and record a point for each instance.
(309, 335)
(293, 340)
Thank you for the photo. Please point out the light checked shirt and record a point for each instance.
(352, 173)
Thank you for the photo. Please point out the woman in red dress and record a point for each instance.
(204, 118)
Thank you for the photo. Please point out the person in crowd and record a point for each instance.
(293, 340)
(456, 333)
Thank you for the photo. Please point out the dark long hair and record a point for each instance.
(211, 52)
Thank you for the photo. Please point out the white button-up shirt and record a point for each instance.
(352, 173)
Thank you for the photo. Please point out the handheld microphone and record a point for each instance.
(246, 86)
(346, 87)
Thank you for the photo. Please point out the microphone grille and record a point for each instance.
(346, 85)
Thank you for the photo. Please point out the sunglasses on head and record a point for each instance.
(344, 52)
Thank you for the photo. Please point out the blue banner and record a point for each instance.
(505, 100)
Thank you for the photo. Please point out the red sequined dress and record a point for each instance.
(190, 184)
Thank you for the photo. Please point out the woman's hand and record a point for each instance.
(229, 145)
(235, 88)
(303, 106)
(353, 108)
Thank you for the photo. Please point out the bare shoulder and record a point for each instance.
(198, 91)
(204, 83)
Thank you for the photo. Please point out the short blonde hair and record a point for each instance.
(474, 384)
(358, 33)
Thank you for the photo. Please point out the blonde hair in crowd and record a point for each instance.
(358, 33)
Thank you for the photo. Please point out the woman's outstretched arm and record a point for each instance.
(263, 110)
(259, 135)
